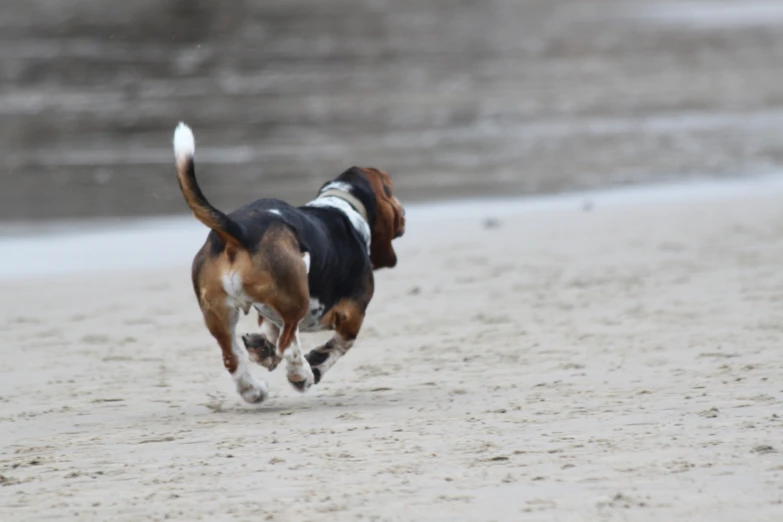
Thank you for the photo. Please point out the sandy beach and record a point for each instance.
(597, 356)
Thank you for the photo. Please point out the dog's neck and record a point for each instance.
(337, 195)
(347, 196)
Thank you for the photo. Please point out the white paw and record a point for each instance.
(252, 390)
(301, 377)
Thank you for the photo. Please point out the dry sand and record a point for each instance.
(613, 356)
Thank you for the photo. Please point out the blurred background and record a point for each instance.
(455, 98)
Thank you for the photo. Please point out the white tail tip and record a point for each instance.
(184, 142)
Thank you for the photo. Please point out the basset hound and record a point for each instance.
(303, 269)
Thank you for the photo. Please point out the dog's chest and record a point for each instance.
(310, 323)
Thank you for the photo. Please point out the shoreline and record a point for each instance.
(159, 242)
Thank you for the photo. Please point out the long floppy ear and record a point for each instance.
(387, 219)
(386, 215)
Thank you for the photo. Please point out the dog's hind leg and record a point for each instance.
(221, 321)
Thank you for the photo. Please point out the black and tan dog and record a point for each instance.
(307, 268)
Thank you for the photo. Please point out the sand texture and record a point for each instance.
(596, 357)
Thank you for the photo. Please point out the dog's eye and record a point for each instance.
(387, 191)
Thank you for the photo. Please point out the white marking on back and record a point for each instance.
(184, 142)
(337, 185)
(357, 221)
(306, 259)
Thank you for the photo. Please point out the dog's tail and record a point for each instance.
(227, 229)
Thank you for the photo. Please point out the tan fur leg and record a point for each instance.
(221, 322)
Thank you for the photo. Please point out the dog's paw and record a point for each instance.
(261, 351)
(301, 386)
(259, 342)
(253, 391)
(301, 377)
(316, 375)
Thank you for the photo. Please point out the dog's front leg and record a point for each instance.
(346, 320)
(262, 347)
(324, 357)
(289, 348)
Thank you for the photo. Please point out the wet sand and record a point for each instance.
(604, 356)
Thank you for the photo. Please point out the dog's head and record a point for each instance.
(385, 214)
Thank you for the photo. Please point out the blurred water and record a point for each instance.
(454, 99)
(714, 15)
